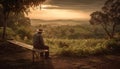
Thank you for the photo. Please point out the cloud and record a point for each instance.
(77, 4)
(57, 14)
(67, 9)
(74, 2)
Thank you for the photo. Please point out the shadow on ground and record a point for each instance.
(26, 64)
(15, 57)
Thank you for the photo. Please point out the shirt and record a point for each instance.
(38, 41)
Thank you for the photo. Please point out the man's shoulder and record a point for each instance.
(38, 35)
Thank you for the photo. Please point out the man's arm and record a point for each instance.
(41, 41)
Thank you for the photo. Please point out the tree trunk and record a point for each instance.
(107, 32)
(4, 26)
(113, 30)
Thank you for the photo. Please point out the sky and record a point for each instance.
(66, 9)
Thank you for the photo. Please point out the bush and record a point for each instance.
(24, 33)
(114, 45)
(9, 33)
(77, 48)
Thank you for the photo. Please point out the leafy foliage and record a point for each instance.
(10, 33)
(18, 6)
(20, 25)
(23, 32)
(15, 22)
(114, 45)
(108, 18)
(77, 47)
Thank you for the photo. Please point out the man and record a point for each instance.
(38, 43)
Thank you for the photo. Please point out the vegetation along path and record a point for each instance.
(15, 57)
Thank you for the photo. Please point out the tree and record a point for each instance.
(16, 6)
(108, 18)
(17, 21)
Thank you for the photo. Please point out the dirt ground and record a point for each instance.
(14, 57)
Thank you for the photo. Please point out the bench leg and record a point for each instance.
(33, 56)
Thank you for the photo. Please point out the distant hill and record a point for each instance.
(35, 22)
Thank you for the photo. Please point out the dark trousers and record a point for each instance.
(45, 54)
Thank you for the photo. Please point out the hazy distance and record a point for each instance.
(59, 11)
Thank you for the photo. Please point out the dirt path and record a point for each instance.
(106, 62)
(20, 58)
(100, 62)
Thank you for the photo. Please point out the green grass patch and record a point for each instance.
(81, 47)
(77, 47)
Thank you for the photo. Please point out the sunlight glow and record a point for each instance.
(54, 14)
(43, 7)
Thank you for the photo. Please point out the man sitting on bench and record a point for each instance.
(38, 43)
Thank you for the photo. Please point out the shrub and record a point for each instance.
(78, 48)
(82, 47)
(9, 33)
(114, 45)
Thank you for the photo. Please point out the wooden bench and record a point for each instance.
(27, 46)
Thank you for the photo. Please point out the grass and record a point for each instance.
(77, 47)
(80, 47)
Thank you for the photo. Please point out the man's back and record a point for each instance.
(38, 41)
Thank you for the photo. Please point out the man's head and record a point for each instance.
(40, 31)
